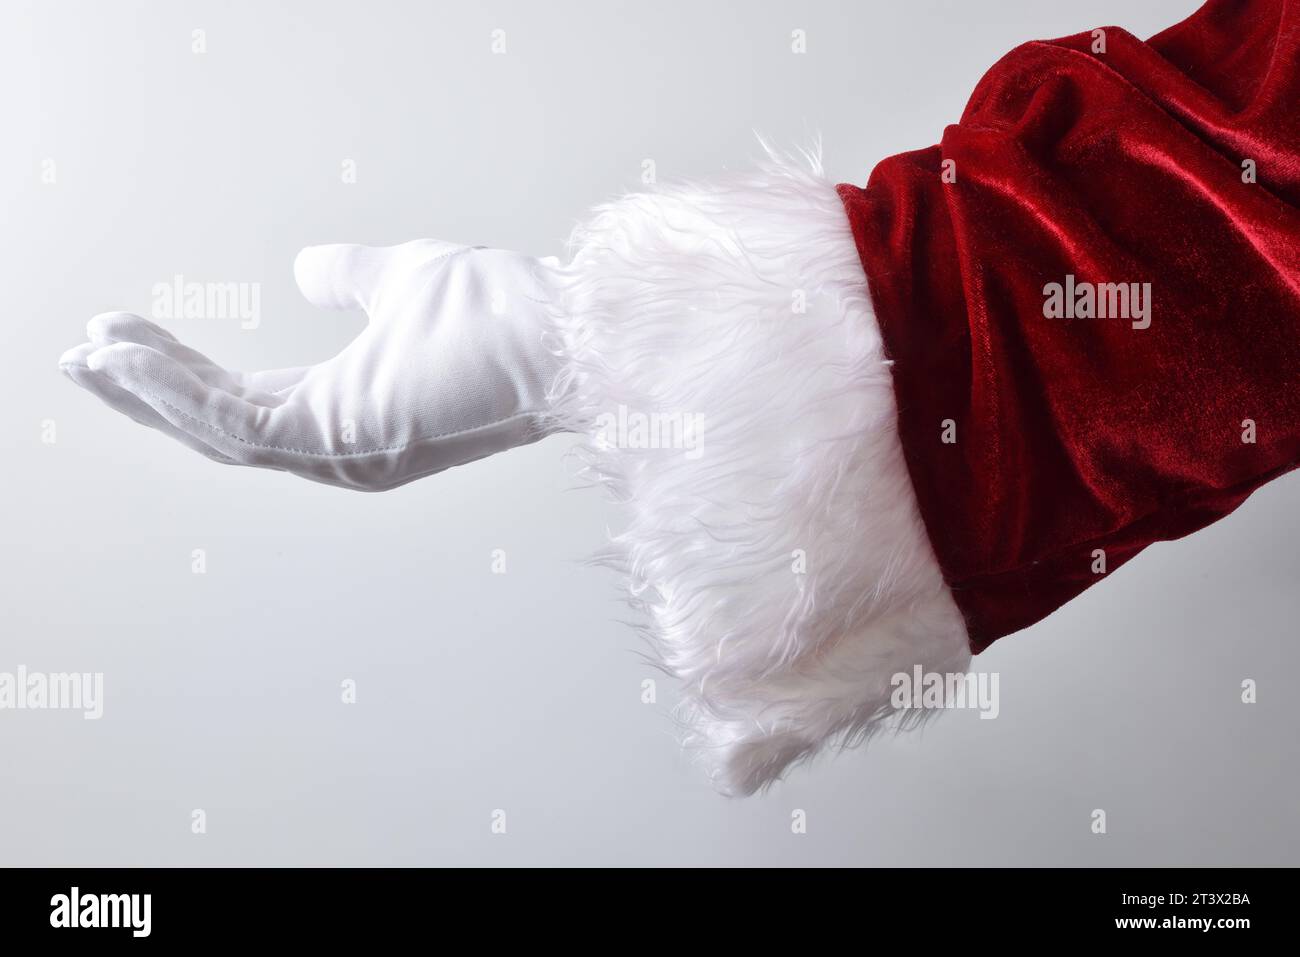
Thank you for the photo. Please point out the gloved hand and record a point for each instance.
(450, 368)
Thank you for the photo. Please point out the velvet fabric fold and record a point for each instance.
(1091, 293)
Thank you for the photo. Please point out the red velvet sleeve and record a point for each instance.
(1042, 431)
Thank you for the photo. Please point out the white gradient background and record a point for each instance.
(521, 692)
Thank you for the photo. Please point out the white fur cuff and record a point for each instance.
(721, 356)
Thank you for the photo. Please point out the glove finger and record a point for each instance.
(350, 276)
(112, 327)
(340, 275)
(242, 430)
(109, 327)
(74, 367)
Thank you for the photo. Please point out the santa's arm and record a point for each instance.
(1091, 292)
(854, 436)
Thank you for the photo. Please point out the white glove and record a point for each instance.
(451, 368)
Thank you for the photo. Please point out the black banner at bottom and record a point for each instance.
(208, 906)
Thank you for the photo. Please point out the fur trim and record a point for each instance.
(779, 557)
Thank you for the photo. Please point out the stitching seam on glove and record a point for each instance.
(343, 455)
